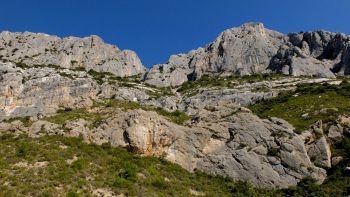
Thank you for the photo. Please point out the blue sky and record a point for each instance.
(155, 29)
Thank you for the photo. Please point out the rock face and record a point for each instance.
(312, 53)
(253, 49)
(71, 52)
(317, 146)
(344, 65)
(40, 74)
(242, 51)
(223, 140)
(34, 91)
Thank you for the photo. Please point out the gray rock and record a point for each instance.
(253, 49)
(71, 52)
(29, 92)
(336, 160)
(239, 145)
(244, 50)
(318, 53)
(320, 153)
(335, 132)
(165, 75)
(296, 62)
(347, 170)
(235, 96)
(222, 138)
(40, 128)
(344, 66)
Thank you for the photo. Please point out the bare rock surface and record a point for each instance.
(41, 74)
(34, 91)
(243, 51)
(319, 53)
(253, 49)
(71, 52)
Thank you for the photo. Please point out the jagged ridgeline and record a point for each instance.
(253, 113)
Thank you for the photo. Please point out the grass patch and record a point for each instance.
(207, 81)
(96, 119)
(102, 167)
(25, 120)
(25, 66)
(307, 104)
(101, 77)
(177, 116)
(159, 92)
(130, 174)
(67, 114)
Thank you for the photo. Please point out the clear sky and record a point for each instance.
(155, 29)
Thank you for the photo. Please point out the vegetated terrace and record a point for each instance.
(307, 104)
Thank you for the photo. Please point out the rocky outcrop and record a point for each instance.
(35, 91)
(242, 51)
(221, 139)
(317, 146)
(165, 75)
(293, 61)
(40, 74)
(319, 54)
(344, 66)
(242, 94)
(71, 52)
(253, 49)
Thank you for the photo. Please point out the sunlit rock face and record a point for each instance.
(71, 52)
(41, 74)
(243, 50)
(253, 49)
(33, 91)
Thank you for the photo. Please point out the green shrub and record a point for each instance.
(79, 164)
(177, 116)
(25, 120)
(72, 194)
(129, 171)
(273, 152)
(22, 149)
(159, 182)
(224, 82)
(121, 182)
(67, 114)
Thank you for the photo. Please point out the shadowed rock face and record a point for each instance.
(319, 53)
(71, 52)
(344, 66)
(253, 49)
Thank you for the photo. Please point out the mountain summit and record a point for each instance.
(71, 52)
(253, 49)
